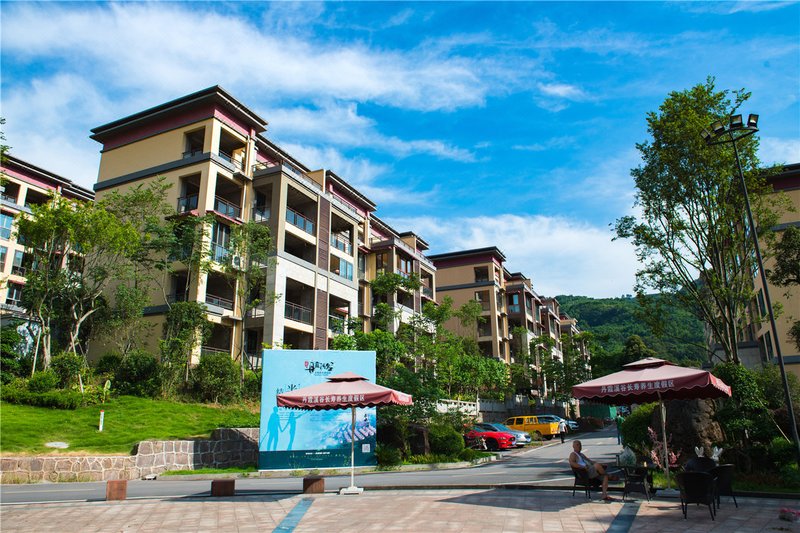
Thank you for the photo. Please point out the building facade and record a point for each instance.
(23, 185)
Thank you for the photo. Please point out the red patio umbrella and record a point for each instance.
(340, 392)
(650, 380)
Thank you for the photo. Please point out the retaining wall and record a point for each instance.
(236, 447)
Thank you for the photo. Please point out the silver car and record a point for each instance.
(571, 424)
(522, 438)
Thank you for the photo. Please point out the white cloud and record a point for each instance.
(560, 255)
(550, 144)
(773, 150)
(339, 124)
(136, 46)
(360, 173)
(562, 90)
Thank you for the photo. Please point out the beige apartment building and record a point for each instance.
(478, 275)
(327, 243)
(23, 185)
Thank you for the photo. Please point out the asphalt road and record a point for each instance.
(540, 466)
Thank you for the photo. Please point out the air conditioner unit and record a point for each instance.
(236, 261)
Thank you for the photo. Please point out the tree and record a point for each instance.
(691, 238)
(787, 269)
(77, 249)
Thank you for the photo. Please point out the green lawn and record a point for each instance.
(128, 420)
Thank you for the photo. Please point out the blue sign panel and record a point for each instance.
(295, 439)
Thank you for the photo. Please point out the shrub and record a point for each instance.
(251, 388)
(445, 440)
(138, 375)
(388, 456)
(468, 454)
(108, 363)
(790, 476)
(429, 458)
(67, 365)
(43, 381)
(781, 451)
(634, 428)
(16, 392)
(216, 378)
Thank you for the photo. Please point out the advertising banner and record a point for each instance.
(298, 439)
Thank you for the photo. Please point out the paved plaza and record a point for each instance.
(463, 511)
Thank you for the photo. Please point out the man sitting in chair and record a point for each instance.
(579, 461)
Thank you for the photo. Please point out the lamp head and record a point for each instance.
(717, 127)
(705, 134)
(752, 121)
(736, 122)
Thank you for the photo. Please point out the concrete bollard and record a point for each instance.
(223, 487)
(313, 485)
(116, 489)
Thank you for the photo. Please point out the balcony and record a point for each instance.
(8, 198)
(296, 219)
(191, 153)
(261, 213)
(19, 270)
(513, 308)
(218, 252)
(402, 273)
(227, 208)
(219, 301)
(342, 243)
(336, 323)
(427, 292)
(187, 203)
(230, 159)
(298, 313)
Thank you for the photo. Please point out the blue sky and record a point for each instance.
(473, 124)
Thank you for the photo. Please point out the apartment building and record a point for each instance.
(569, 328)
(551, 324)
(524, 307)
(386, 250)
(23, 185)
(788, 183)
(328, 245)
(478, 275)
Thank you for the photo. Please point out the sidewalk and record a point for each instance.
(464, 511)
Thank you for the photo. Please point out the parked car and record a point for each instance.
(571, 424)
(495, 440)
(539, 429)
(521, 437)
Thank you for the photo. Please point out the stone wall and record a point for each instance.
(226, 448)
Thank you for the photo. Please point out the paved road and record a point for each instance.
(547, 465)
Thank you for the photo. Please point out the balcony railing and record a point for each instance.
(341, 243)
(261, 213)
(218, 252)
(192, 152)
(296, 219)
(402, 273)
(227, 208)
(336, 323)
(230, 159)
(210, 350)
(178, 297)
(427, 292)
(298, 313)
(253, 360)
(219, 301)
(8, 198)
(513, 308)
(486, 306)
(187, 203)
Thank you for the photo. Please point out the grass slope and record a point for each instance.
(128, 420)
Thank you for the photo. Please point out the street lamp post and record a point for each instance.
(730, 133)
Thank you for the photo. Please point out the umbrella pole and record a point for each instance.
(352, 489)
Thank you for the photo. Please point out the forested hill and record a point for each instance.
(613, 320)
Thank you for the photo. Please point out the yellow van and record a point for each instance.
(532, 425)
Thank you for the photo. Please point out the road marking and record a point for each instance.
(291, 520)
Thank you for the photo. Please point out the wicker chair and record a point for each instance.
(700, 464)
(724, 475)
(697, 487)
(636, 481)
(582, 480)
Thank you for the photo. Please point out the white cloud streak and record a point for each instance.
(560, 255)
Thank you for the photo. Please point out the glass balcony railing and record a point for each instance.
(298, 313)
(230, 159)
(229, 209)
(187, 203)
(513, 308)
(336, 323)
(8, 198)
(342, 243)
(261, 213)
(427, 292)
(296, 219)
(402, 273)
(192, 152)
(218, 252)
(219, 301)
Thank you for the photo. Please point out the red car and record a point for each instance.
(495, 440)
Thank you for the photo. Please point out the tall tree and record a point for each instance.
(691, 237)
(787, 270)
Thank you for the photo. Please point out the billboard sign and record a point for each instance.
(299, 439)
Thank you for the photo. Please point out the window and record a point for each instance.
(5, 226)
(513, 303)
(762, 308)
(768, 346)
(485, 329)
(14, 296)
(481, 274)
(17, 265)
(342, 268)
(483, 298)
(220, 239)
(3, 253)
(405, 266)
(362, 265)
(381, 262)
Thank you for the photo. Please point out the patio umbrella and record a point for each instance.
(650, 380)
(340, 392)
